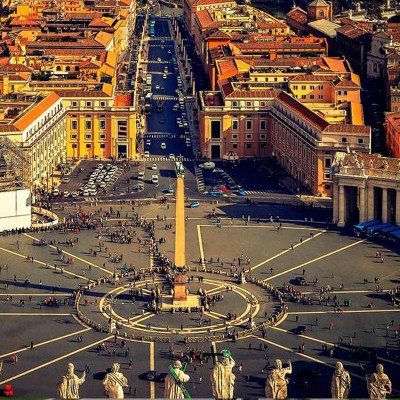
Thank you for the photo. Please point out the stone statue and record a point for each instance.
(378, 384)
(114, 382)
(222, 377)
(341, 382)
(276, 386)
(68, 387)
(173, 382)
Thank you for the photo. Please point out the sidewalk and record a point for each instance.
(306, 197)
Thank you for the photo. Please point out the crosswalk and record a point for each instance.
(157, 62)
(164, 97)
(200, 179)
(161, 135)
(154, 159)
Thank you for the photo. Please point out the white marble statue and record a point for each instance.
(173, 389)
(222, 377)
(114, 383)
(341, 382)
(276, 385)
(378, 384)
(68, 387)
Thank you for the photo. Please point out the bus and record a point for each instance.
(360, 229)
(374, 230)
(147, 103)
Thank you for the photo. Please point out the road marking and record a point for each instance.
(304, 356)
(56, 360)
(216, 315)
(285, 251)
(327, 343)
(200, 240)
(46, 342)
(315, 259)
(66, 272)
(73, 255)
(342, 291)
(34, 294)
(145, 317)
(152, 368)
(344, 312)
(14, 314)
(217, 289)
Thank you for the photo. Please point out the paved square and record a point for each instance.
(37, 300)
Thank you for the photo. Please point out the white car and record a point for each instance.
(169, 51)
(163, 146)
(208, 165)
(146, 154)
(92, 192)
(157, 87)
(164, 76)
(154, 166)
(159, 59)
(154, 179)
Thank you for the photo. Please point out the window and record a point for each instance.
(88, 104)
(88, 125)
(320, 87)
(345, 92)
(102, 104)
(235, 104)
(327, 176)
(312, 87)
(74, 136)
(311, 96)
(235, 125)
(263, 125)
(262, 104)
(248, 124)
(74, 104)
(328, 162)
(249, 136)
(344, 140)
(122, 129)
(235, 136)
(303, 87)
(234, 145)
(74, 124)
(263, 136)
(102, 145)
(303, 96)
(248, 145)
(327, 186)
(215, 129)
(74, 146)
(295, 87)
(248, 103)
(88, 145)
(88, 136)
(102, 136)
(360, 140)
(320, 96)
(339, 92)
(102, 124)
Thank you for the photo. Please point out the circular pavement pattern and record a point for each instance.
(344, 312)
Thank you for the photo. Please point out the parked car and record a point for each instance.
(215, 192)
(208, 165)
(163, 146)
(299, 330)
(241, 192)
(194, 204)
(146, 154)
(154, 179)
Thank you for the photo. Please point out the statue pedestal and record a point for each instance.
(168, 302)
(180, 287)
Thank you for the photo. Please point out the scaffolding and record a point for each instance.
(14, 167)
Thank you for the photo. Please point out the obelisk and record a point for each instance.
(180, 241)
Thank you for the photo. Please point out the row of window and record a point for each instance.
(88, 103)
(249, 136)
(249, 125)
(88, 145)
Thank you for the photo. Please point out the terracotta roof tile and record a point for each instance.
(298, 15)
(350, 129)
(36, 111)
(204, 18)
(305, 112)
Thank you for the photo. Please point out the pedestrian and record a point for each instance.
(297, 318)
(331, 326)
(32, 345)
(316, 321)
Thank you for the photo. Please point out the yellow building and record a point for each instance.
(99, 124)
